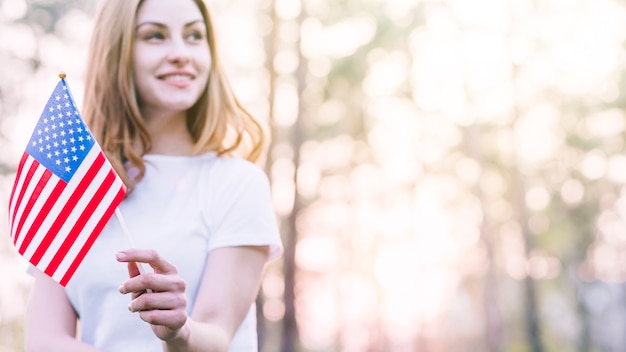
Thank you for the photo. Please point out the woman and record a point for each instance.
(201, 218)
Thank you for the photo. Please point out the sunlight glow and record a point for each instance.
(537, 133)
(345, 37)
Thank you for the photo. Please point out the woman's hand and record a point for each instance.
(159, 297)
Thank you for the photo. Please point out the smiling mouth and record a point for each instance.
(176, 78)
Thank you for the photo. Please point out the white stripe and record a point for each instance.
(28, 223)
(18, 187)
(89, 227)
(72, 218)
(60, 203)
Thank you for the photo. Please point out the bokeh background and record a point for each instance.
(448, 175)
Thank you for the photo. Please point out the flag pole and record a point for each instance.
(120, 218)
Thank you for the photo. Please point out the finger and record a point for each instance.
(149, 256)
(133, 269)
(158, 301)
(153, 282)
(173, 319)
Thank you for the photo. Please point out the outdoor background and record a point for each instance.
(448, 175)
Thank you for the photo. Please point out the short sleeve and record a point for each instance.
(240, 210)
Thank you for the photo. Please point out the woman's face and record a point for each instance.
(171, 59)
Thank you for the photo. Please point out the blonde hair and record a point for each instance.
(217, 122)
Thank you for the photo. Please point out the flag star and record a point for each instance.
(68, 169)
(56, 153)
(61, 124)
(46, 129)
(58, 106)
(56, 144)
(40, 140)
(75, 158)
(49, 155)
(80, 138)
(47, 137)
(69, 122)
(51, 109)
(39, 131)
(67, 160)
(73, 140)
(73, 149)
(41, 149)
(88, 138)
(34, 143)
(79, 130)
(60, 115)
(82, 147)
(65, 151)
(54, 135)
(52, 118)
(48, 146)
(68, 113)
(62, 133)
(58, 162)
(67, 105)
(64, 142)
(71, 130)
(57, 97)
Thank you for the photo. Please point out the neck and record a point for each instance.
(168, 133)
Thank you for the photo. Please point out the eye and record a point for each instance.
(154, 36)
(195, 36)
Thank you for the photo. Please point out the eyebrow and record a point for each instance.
(161, 25)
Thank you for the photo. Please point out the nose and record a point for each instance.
(179, 52)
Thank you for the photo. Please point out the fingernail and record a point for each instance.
(121, 288)
(121, 256)
(130, 307)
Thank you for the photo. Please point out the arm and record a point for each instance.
(229, 286)
(50, 319)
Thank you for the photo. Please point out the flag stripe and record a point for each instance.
(20, 167)
(92, 238)
(67, 209)
(39, 188)
(31, 220)
(30, 187)
(39, 220)
(80, 223)
(27, 177)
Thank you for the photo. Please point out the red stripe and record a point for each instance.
(20, 167)
(56, 193)
(29, 175)
(82, 187)
(78, 227)
(92, 238)
(31, 201)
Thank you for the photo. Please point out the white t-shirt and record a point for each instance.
(184, 208)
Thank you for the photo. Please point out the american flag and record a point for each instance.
(65, 190)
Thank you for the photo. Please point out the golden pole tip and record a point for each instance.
(62, 75)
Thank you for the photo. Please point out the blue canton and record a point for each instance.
(61, 139)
